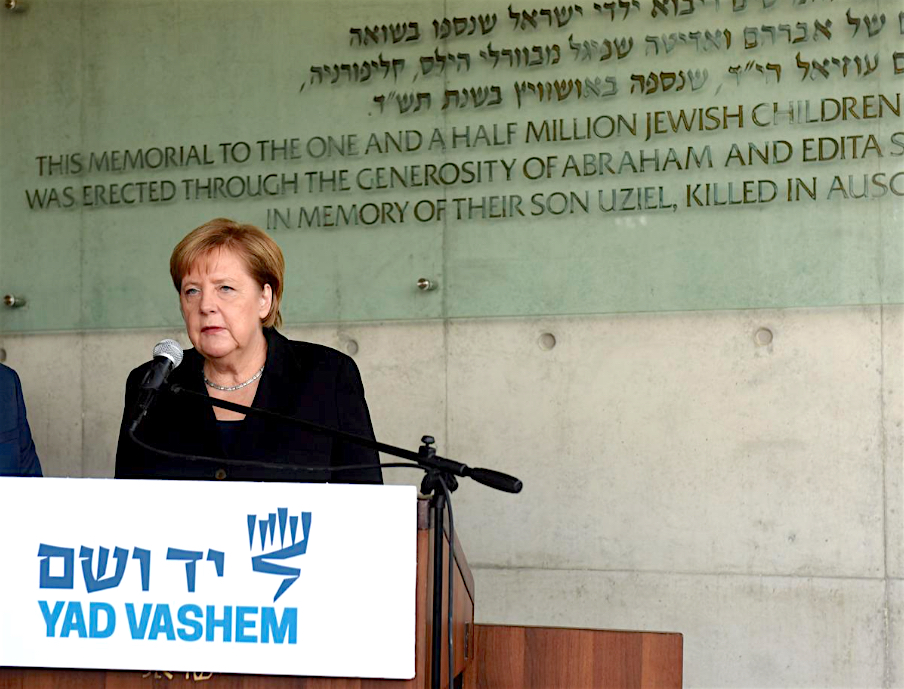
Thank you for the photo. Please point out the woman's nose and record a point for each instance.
(207, 302)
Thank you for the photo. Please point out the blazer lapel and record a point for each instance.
(280, 389)
(276, 390)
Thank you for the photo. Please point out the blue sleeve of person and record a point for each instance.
(18, 456)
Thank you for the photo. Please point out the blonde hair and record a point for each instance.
(263, 258)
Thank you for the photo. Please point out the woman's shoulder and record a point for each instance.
(313, 355)
(313, 352)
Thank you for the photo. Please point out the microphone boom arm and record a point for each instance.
(431, 462)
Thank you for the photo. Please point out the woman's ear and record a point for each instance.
(266, 301)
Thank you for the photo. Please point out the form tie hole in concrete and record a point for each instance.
(763, 337)
(547, 341)
(351, 347)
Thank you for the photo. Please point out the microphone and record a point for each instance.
(167, 356)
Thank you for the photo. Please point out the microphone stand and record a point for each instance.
(438, 483)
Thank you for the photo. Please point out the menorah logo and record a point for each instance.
(266, 531)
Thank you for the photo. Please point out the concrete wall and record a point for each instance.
(681, 473)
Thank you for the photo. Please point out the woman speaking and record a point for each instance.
(230, 281)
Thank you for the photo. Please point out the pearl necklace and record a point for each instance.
(231, 388)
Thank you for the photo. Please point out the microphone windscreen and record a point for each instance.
(171, 349)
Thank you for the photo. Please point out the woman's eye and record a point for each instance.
(226, 288)
(190, 292)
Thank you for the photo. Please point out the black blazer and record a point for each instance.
(300, 379)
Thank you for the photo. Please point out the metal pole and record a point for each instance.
(436, 656)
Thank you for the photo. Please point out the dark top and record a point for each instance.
(17, 450)
(230, 431)
(300, 379)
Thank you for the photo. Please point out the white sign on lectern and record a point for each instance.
(258, 578)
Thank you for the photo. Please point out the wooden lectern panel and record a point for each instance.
(553, 658)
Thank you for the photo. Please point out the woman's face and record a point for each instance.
(222, 304)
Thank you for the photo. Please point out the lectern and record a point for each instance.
(486, 656)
